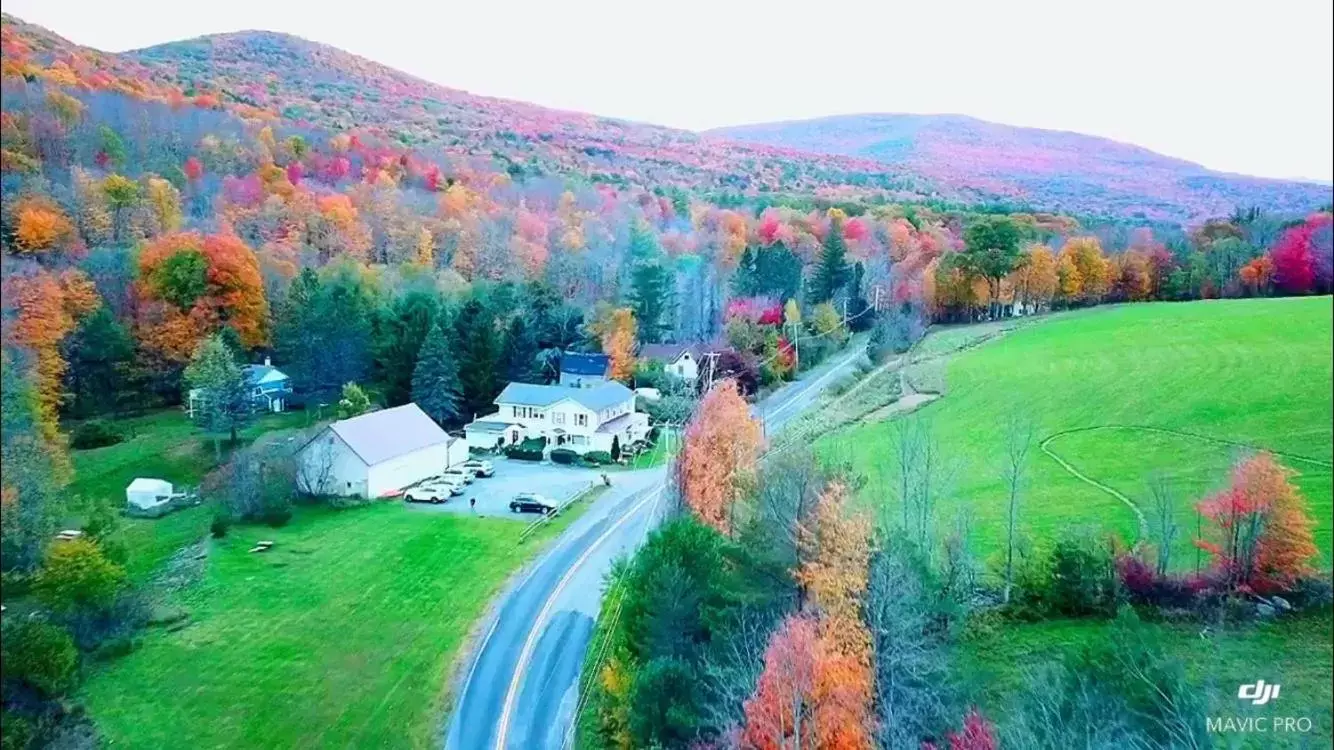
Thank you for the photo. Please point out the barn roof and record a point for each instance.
(389, 433)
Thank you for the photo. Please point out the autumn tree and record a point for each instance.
(29, 494)
(1093, 272)
(977, 734)
(192, 285)
(1262, 537)
(40, 226)
(617, 330)
(783, 712)
(1035, 280)
(122, 197)
(718, 455)
(435, 380)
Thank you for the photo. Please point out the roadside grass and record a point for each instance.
(1251, 371)
(669, 442)
(343, 635)
(991, 669)
(163, 445)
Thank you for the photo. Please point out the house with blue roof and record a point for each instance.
(579, 370)
(268, 387)
(599, 417)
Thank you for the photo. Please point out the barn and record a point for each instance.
(377, 454)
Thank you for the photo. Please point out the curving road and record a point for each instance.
(520, 690)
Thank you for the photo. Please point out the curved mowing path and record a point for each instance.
(1139, 514)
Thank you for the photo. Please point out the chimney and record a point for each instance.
(266, 362)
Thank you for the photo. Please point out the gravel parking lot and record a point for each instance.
(558, 483)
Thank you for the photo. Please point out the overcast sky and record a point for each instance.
(1241, 87)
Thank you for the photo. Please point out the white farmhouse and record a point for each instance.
(596, 418)
(376, 454)
(681, 360)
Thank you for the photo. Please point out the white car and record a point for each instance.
(463, 473)
(432, 492)
(480, 467)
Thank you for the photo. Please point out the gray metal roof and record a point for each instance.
(577, 363)
(389, 433)
(596, 398)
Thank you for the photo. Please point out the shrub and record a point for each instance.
(277, 516)
(598, 457)
(94, 433)
(40, 655)
(19, 734)
(76, 575)
(221, 523)
(520, 454)
(564, 456)
(1082, 579)
(1143, 585)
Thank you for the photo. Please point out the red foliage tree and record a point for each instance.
(977, 734)
(1262, 538)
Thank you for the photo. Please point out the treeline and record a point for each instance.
(1250, 254)
(772, 611)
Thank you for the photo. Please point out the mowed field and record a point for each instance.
(1177, 390)
(343, 635)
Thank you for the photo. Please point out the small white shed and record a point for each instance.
(148, 495)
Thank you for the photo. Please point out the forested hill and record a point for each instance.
(1056, 170)
(313, 84)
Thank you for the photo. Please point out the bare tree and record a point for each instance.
(732, 666)
(911, 669)
(924, 476)
(1163, 526)
(315, 466)
(1019, 432)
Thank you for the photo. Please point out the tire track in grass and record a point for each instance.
(1139, 514)
(1077, 474)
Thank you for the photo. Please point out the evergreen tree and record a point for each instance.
(653, 300)
(521, 353)
(435, 380)
(478, 358)
(100, 355)
(401, 329)
(860, 317)
(768, 272)
(324, 330)
(832, 273)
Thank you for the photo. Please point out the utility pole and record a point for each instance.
(876, 305)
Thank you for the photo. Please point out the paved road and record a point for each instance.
(521, 689)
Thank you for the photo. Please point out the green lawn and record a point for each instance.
(1256, 372)
(991, 669)
(342, 636)
(161, 445)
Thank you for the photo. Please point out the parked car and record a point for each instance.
(458, 471)
(531, 502)
(480, 467)
(432, 492)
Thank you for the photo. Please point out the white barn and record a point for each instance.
(377, 454)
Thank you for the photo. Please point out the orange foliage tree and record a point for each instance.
(192, 285)
(1262, 536)
(1035, 280)
(40, 226)
(718, 456)
(617, 329)
(47, 307)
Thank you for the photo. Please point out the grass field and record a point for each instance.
(161, 445)
(342, 636)
(1255, 372)
(992, 669)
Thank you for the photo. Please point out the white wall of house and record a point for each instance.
(458, 452)
(684, 367)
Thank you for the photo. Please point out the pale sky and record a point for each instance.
(1237, 86)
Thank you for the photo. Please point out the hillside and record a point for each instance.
(1058, 171)
(315, 85)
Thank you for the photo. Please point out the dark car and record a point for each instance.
(531, 502)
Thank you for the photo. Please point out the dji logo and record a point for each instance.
(1258, 693)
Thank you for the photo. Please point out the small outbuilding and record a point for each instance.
(149, 497)
(377, 454)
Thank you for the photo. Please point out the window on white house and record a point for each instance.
(558, 418)
(581, 420)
